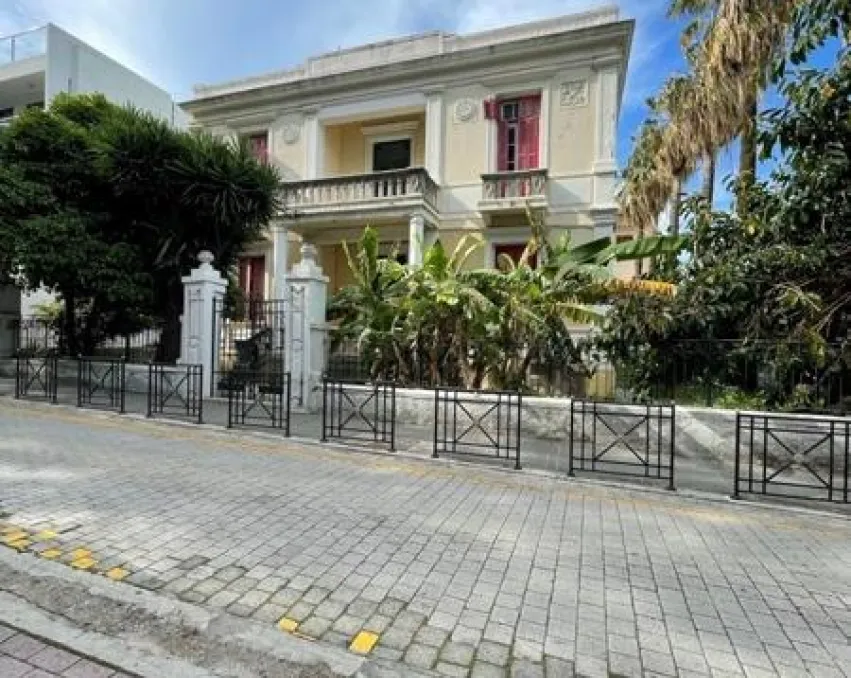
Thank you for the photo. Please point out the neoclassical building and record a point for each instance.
(433, 136)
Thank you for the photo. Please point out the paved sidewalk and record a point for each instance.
(23, 656)
(457, 569)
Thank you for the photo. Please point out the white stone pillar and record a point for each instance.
(314, 145)
(605, 145)
(281, 255)
(416, 240)
(434, 136)
(307, 326)
(203, 291)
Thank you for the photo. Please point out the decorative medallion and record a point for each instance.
(574, 94)
(465, 110)
(291, 133)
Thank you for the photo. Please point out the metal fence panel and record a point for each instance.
(36, 378)
(101, 384)
(792, 456)
(260, 400)
(625, 440)
(478, 423)
(359, 412)
(176, 391)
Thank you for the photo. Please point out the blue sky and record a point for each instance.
(179, 43)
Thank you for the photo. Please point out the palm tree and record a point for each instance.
(730, 48)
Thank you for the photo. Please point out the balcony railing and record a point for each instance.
(23, 45)
(362, 189)
(516, 185)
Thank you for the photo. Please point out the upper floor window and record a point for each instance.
(391, 155)
(6, 113)
(259, 145)
(518, 136)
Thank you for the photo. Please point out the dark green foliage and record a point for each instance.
(109, 206)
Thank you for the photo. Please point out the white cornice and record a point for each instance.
(440, 70)
(389, 128)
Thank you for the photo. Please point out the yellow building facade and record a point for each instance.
(434, 136)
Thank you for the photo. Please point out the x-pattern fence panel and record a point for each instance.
(36, 378)
(626, 440)
(176, 391)
(359, 411)
(478, 423)
(792, 456)
(260, 400)
(101, 384)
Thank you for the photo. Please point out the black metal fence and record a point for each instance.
(359, 412)
(248, 337)
(37, 336)
(176, 391)
(625, 440)
(478, 423)
(260, 400)
(37, 377)
(101, 384)
(792, 456)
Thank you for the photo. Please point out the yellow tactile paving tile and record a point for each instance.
(78, 554)
(363, 642)
(20, 544)
(45, 535)
(9, 537)
(117, 573)
(51, 554)
(288, 625)
(83, 563)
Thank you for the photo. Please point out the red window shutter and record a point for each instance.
(529, 142)
(490, 109)
(502, 146)
(260, 146)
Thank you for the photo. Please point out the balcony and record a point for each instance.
(23, 46)
(394, 193)
(514, 191)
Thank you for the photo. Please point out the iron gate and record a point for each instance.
(257, 336)
(478, 423)
(176, 391)
(36, 378)
(101, 384)
(359, 411)
(792, 456)
(625, 440)
(260, 400)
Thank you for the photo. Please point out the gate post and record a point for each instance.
(308, 288)
(203, 288)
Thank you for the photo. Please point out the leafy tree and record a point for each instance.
(110, 206)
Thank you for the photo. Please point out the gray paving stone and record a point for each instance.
(493, 653)
(522, 668)
(422, 656)
(452, 670)
(458, 653)
(483, 670)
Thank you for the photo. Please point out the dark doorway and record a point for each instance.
(391, 155)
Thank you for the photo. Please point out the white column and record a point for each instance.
(434, 136)
(307, 324)
(605, 145)
(416, 240)
(314, 144)
(203, 291)
(281, 250)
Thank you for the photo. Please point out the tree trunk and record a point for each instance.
(675, 210)
(707, 189)
(747, 154)
(69, 329)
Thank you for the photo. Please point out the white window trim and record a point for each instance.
(382, 138)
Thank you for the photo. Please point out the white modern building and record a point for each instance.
(37, 65)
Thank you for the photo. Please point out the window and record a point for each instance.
(38, 104)
(259, 145)
(6, 113)
(518, 133)
(513, 251)
(391, 155)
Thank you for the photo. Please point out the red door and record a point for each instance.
(252, 277)
(513, 251)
